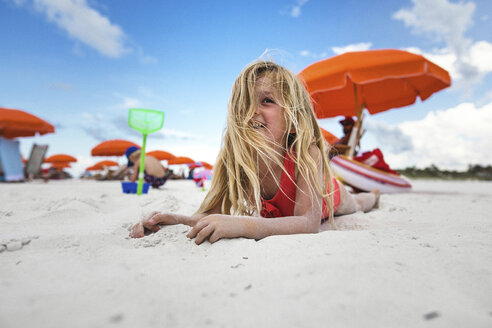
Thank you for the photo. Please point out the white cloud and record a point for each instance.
(448, 22)
(442, 57)
(175, 134)
(296, 9)
(83, 24)
(115, 126)
(62, 86)
(481, 56)
(337, 50)
(439, 18)
(352, 47)
(91, 117)
(146, 92)
(307, 53)
(194, 150)
(392, 137)
(450, 139)
(145, 59)
(478, 57)
(128, 102)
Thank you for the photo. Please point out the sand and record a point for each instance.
(424, 259)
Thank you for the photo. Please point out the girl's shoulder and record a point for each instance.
(315, 152)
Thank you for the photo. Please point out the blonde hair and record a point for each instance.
(235, 184)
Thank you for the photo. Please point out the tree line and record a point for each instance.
(474, 172)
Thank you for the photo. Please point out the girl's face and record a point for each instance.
(269, 117)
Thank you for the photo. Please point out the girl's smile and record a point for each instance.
(269, 115)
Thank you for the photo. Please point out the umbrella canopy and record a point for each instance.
(200, 164)
(204, 174)
(375, 79)
(161, 155)
(330, 138)
(60, 165)
(100, 165)
(180, 160)
(207, 165)
(17, 123)
(194, 165)
(92, 168)
(115, 147)
(60, 158)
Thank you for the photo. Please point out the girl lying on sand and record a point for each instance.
(272, 164)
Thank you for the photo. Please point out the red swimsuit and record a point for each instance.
(284, 201)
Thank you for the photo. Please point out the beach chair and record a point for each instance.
(36, 158)
(10, 160)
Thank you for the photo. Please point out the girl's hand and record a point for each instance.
(217, 226)
(151, 223)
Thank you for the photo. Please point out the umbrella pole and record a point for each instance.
(356, 130)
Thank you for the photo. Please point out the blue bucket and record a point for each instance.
(131, 187)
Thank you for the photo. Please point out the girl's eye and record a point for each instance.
(268, 100)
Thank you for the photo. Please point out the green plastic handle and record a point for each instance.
(141, 168)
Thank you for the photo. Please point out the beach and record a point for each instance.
(423, 259)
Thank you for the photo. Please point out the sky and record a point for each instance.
(81, 64)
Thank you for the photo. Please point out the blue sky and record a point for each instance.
(81, 64)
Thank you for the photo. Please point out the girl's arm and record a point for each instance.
(153, 221)
(306, 219)
(135, 172)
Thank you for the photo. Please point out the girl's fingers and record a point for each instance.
(151, 221)
(137, 231)
(196, 229)
(203, 234)
(214, 237)
(153, 217)
(149, 216)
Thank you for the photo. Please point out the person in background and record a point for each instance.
(347, 124)
(154, 172)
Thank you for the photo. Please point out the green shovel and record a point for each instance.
(145, 121)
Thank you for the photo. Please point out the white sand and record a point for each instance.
(424, 259)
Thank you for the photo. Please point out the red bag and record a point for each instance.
(375, 159)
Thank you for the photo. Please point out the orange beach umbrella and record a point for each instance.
(60, 158)
(330, 138)
(161, 155)
(200, 164)
(60, 165)
(100, 165)
(115, 147)
(207, 165)
(375, 79)
(106, 163)
(180, 160)
(17, 123)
